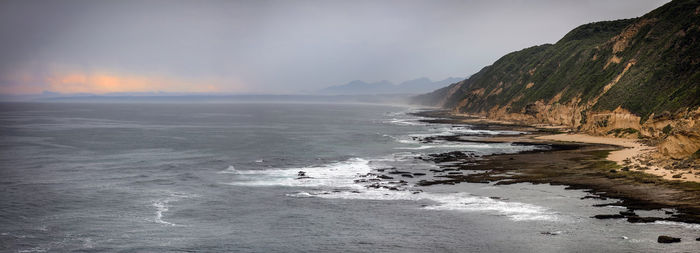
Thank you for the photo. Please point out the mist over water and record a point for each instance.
(226, 177)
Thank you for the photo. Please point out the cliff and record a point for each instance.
(633, 78)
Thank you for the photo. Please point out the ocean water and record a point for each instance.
(226, 178)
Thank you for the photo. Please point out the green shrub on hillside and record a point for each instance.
(664, 75)
(667, 129)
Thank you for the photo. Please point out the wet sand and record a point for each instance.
(631, 155)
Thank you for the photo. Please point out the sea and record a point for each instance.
(277, 177)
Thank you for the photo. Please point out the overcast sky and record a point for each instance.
(271, 46)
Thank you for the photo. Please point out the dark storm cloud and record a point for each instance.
(271, 46)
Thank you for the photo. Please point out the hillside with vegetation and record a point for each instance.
(636, 78)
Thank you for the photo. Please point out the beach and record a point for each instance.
(633, 154)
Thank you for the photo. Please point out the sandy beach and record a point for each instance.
(634, 152)
(634, 155)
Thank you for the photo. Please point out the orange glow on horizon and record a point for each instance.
(109, 83)
(104, 82)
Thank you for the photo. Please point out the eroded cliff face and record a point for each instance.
(680, 133)
(676, 135)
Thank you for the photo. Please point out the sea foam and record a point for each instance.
(461, 202)
(477, 148)
(162, 206)
(679, 224)
(338, 174)
(337, 181)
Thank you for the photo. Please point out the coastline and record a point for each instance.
(634, 155)
(602, 166)
(631, 156)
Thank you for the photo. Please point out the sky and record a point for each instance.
(271, 47)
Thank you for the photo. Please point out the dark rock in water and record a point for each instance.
(301, 173)
(355, 191)
(668, 212)
(384, 177)
(381, 170)
(303, 177)
(628, 213)
(507, 182)
(407, 175)
(637, 219)
(419, 174)
(450, 157)
(393, 188)
(608, 216)
(375, 185)
(394, 172)
(609, 204)
(668, 239)
(594, 197)
(697, 239)
(551, 233)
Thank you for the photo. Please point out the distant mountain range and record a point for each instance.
(415, 86)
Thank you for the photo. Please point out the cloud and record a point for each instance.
(101, 82)
(273, 46)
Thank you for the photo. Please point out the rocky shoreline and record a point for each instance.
(576, 165)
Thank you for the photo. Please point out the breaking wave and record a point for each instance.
(338, 182)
